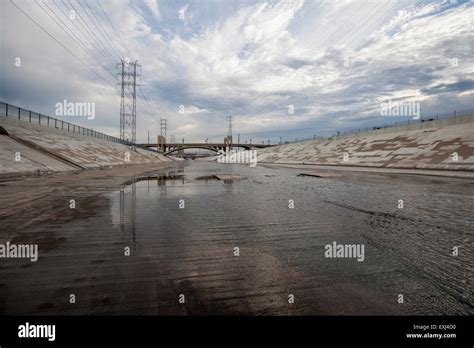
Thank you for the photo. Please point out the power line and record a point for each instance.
(98, 32)
(88, 41)
(145, 98)
(360, 29)
(70, 33)
(150, 101)
(330, 23)
(153, 102)
(104, 31)
(108, 19)
(54, 38)
(341, 27)
(359, 32)
(76, 24)
(89, 30)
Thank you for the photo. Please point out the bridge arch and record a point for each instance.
(192, 147)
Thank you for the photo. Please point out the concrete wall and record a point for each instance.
(428, 145)
(414, 125)
(48, 149)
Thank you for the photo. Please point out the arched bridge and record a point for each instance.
(173, 147)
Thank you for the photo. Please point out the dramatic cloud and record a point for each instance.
(332, 62)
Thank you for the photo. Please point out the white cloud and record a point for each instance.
(153, 7)
(253, 60)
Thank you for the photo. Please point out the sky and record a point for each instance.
(289, 69)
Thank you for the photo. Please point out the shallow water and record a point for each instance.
(182, 227)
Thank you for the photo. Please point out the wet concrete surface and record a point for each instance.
(182, 227)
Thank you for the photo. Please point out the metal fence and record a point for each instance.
(51, 122)
(407, 124)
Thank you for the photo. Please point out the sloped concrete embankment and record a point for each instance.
(443, 145)
(26, 148)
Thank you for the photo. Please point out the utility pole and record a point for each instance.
(148, 137)
(127, 79)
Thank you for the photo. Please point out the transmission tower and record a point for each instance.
(163, 128)
(230, 126)
(128, 74)
(162, 136)
(228, 140)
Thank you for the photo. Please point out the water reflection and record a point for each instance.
(128, 204)
(161, 180)
(281, 250)
(128, 198)
(282, 247)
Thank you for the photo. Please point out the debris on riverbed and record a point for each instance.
(224, 177)
(230, 177)
(320, 175)
(207, 177)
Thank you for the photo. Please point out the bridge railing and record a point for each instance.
(19, 113)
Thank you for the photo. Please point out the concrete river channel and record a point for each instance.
(202, 238)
